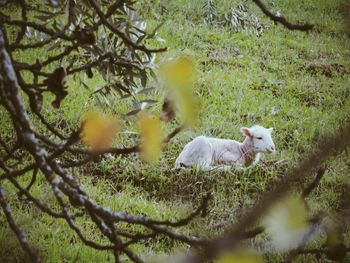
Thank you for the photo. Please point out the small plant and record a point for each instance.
(210, 12)
(237, 19)
(241, 19)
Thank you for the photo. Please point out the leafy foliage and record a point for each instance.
(111, 46)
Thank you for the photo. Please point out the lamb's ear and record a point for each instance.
(270, 130)
(246, 132)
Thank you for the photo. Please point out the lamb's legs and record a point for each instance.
(215, 168)
(227, 160)
(224, 168)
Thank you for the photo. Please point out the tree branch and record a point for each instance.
(281, 19)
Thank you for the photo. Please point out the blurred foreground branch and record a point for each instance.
(326, 148)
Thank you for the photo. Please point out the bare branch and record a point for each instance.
(41, 28)
(314, 183)
(281, 19)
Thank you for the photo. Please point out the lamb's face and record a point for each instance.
(261, 138)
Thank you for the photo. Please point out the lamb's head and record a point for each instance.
(260, 138)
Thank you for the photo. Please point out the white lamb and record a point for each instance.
(211, 153)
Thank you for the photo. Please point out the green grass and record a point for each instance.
(243, 80)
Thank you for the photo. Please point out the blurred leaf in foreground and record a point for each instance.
(151, 137)
(286, 223)
(179, 76)
(98, 130)
(240, 257)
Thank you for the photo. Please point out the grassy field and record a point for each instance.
(296, 82)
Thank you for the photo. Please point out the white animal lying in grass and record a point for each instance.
(212, 153)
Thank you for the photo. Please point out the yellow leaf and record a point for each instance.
(180, 72)
(240, 257)
(286, 223)
(152, 137)
(179, 76)
(98, 130)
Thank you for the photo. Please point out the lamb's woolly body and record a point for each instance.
(207, 151)
(212, 153)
